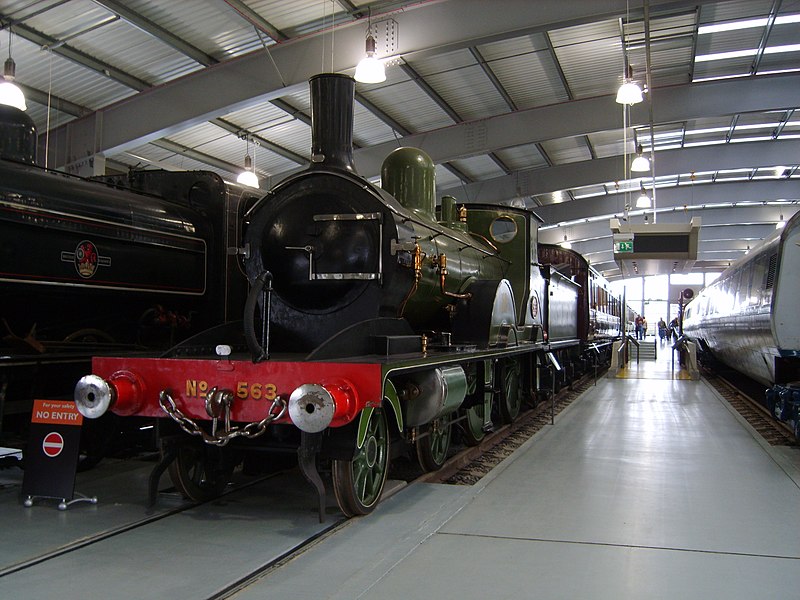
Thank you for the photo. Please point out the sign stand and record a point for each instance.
(556, 366)
(52, 456)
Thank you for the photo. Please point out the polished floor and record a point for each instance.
(644, 488)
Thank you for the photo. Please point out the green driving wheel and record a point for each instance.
(358, 482)
(472, 430)
(432, 448)
(510, 395)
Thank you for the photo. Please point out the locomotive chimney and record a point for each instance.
(332, 120)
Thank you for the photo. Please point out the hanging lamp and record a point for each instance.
(629, 92)
(643, 201)
(641, 163)
(248, 177)
(10, 93)
(370, 69)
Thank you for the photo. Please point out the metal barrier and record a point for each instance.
(687, 356)
(620, 354)
(628, 339)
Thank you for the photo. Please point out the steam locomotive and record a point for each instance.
(747, 319)
(370, 320)
(129, 263)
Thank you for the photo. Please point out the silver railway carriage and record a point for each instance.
(748, 319)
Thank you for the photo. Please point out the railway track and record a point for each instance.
(471, 464)
(774, 432)
(465, 467)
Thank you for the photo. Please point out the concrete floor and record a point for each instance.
(647, 487)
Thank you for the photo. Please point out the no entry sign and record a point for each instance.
(53, 447)
(53, 444)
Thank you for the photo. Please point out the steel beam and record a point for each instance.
(531, 182)
(602, 113)
(675, 198)
(240, 82)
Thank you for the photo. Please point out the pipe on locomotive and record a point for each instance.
(261, 288)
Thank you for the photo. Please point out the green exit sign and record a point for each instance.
(623, 247)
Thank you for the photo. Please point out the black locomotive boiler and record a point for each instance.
(370, 320)
(130, 263)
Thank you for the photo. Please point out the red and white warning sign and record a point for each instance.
(53, 448)
(56, 412)
(53, 444)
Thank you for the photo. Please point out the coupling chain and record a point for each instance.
(250, 430)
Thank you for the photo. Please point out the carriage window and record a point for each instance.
(503, 229)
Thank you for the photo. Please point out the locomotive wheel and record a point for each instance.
(199, 472)
(358, 483)
(432, 449)
(771, 406)
(510, 396)
(472, 432)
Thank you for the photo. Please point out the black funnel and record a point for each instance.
(332, 120)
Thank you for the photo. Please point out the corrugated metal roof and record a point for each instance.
(588, 56)
(729, 41)
(409, 105)
(737, 10)
(609, 143)
(293, 135)
(369, 128)
(298, 16)
(199, 135)
(522, 157)
(445, 179)
(530, 79)
(567, 150)
(259, 116)
(64, 78)
(441, 63)
(469, 92)
(135, 52)
(600, 75)
(671, 46)
(722, 68)
(479, 167)
(213, 27)
(61, 20)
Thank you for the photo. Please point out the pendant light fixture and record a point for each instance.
(10, 93)
(566, 243)
(629, 92)
(641, 162)
(643, 201)
(370, 69)
(248, 177)
(781, 223)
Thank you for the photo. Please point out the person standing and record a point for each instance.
(662, 330)
(674, 328)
